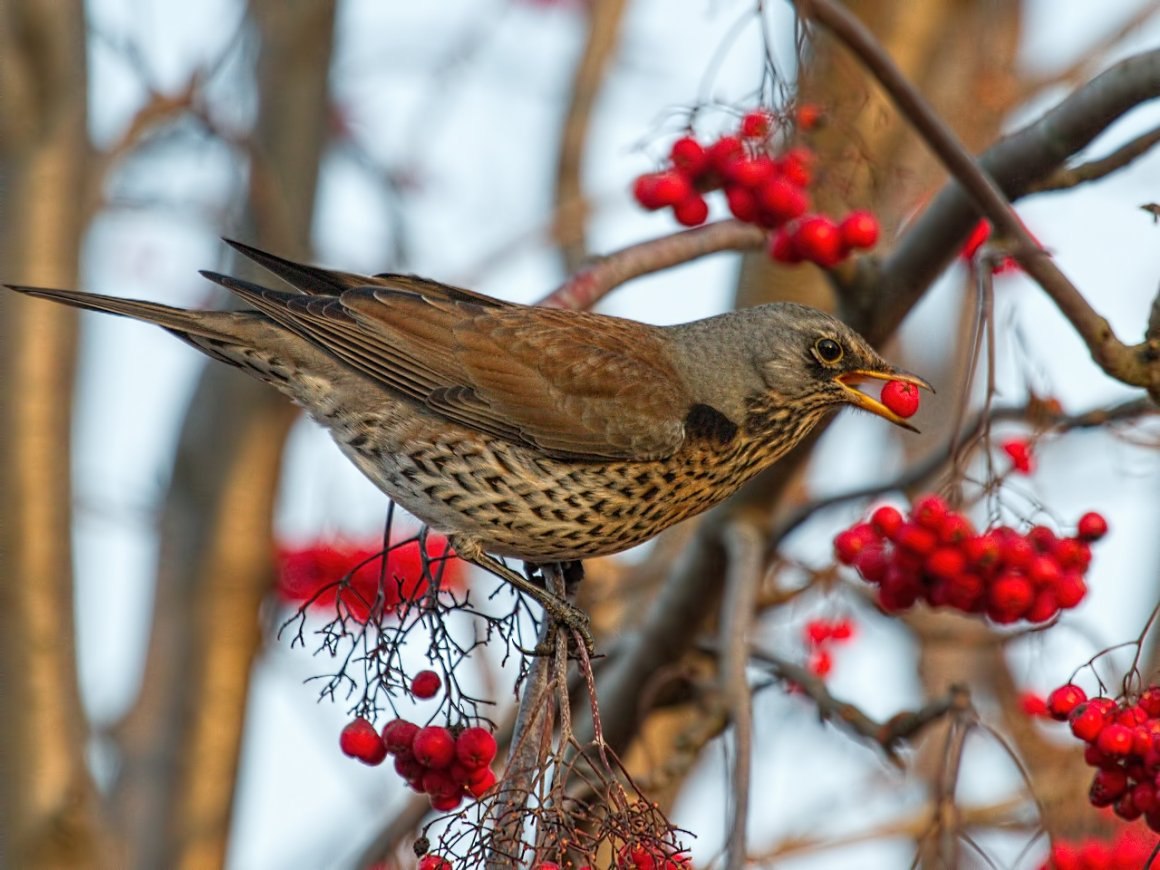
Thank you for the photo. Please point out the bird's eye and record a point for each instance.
(828, 350)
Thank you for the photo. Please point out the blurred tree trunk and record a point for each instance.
(48, 806)
(182, 739)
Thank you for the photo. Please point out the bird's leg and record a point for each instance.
(555, 608)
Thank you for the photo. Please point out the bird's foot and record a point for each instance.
(570, 618)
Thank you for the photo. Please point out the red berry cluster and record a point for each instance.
(935, 555)
(1130, 850)
(820, 635)
(760, 189)
(433, 760)
(1123, 743)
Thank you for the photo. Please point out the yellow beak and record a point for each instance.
(849, 380)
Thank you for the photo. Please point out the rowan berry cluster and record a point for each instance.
(1130, 850)
(760, 188)
(821, 635)
(447, 765)
(1123, 744)
(935, 555)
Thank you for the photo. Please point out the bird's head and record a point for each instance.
(810, 361)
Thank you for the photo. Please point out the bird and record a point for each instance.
(525, 432)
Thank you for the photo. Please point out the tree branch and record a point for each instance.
(744, 547)
(1138, 366)
(1067, 177)
(593, 282)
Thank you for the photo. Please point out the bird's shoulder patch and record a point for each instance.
(704, 422)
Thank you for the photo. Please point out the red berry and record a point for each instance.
(688, 157)
(725, 149)
(659, 189)
(1149, 701)
(1033, 704)
(817, 632)
(1009, 598)
(482, 782)
(886, 521)
(901, 398)
(398, 735)
(1044, 607)
(859, 230)
(930, 511)
(850, 542)
(547, 865)
(1107, 787)
(1144, 796)
(445, 803)
(955, 529)
(426, 684)
(872, 563)
(1019, 451)
(898, 591)
(946, 563)
(782, 249)
(808, 116)
(782, 201)
(818, 240)
(841, 630)
(360, 740)
(1070, 590)
(691, 211)
(1091, 527)
(1042, 539)
(795, 166)
(756, 124)
(1063, 700)
(1087, 721)
(983, 552)
(820, 663)
(915, 539)
(434, 862)
(410, 769)
(434, 746)
(1044, 571)
(750, 172)
(475, 747)
(966, 592)
(1115, 740)
(979, 234)
(439, 783)
(1072, 554)
(742, 203)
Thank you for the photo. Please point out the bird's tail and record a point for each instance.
(203, 324)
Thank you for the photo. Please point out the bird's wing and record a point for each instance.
(316, 281)
(575, 385)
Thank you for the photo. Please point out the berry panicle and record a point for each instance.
(760, 187)
(935, 555)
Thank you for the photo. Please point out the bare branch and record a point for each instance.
(593, 282)
(1067, 177)
(604, 18)
(1135, 366)
(743, 544)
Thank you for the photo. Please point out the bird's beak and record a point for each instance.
(849, 381)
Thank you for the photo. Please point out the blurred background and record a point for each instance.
(151, 717)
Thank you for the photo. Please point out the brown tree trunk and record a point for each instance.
(182, 739)
(48, 806)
